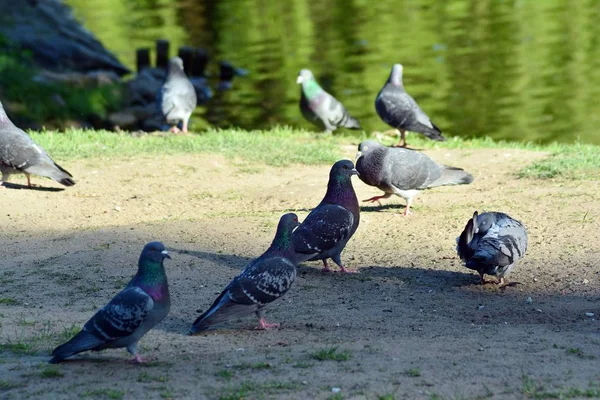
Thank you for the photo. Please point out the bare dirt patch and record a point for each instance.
(414, 323)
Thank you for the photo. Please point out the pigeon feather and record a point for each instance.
(177, 97)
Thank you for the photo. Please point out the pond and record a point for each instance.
(510, 69)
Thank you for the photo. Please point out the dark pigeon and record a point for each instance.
(403, 172)
(491, 244)
(143, 303)
(326, 230)
(321, 108)
(176, 98)
(400, 111)
(263, 281)
(227, 71)
(20, 154)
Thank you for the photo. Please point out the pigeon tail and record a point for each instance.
(81, 342)
(433, 133)
(66, 178)
(222, 310)
(350, 122)
(465, 238)
(52, 170)
(452, 176)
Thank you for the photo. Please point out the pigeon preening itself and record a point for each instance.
(400, 111)
(176, 98)
(143, 303)
(403, 172)
(20, 154)
(491, 244)
(326, 230)
(263, 281)
(321, 108)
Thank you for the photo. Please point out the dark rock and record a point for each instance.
(57, 41)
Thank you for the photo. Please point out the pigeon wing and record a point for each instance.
(323, 229)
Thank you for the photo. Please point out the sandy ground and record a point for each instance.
(412, 324)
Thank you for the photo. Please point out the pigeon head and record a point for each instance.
(175, 64)
(396, 75)
(3, 117)
(154, 252)
(341, 172)
(283, 238)
(305, 75)
(367, 147)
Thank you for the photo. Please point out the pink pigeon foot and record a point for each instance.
(174, 129)
(345, 270)
(138, 360)
(376, 199)
(263, 324)
(325, 267)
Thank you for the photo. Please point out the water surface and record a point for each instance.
(510, 69)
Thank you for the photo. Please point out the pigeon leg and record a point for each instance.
(407, 211)
(138, 359)
(174, 129)
(325, 267)
(29, 184)
(501, 281)
(185, 127)
(485, 281)
(263, 324)
(347, 270)
(401, 138)
(376, 198)
(337, 259)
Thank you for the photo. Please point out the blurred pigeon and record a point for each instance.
(321, 108)
(143, 303)
(226, 74)
(326, 230)
(176, 98)
(20, 154)
(400, 111)
(403, 172)
(263, 281)
(491, 243)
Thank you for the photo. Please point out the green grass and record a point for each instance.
(536, 390)
(51, 371)
(331, 353)
(7, 385)
(283, 146)
(112, 394)
(413, 372)
(252, 390)
(8, 301)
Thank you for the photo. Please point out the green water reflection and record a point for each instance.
(511, 69)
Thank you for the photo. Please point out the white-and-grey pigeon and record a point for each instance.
(20, 154)
(400, 111)
(263, 281)
(326, 230)
(491, 244)
(321, 108)
(143, 303)
(176, 98)
(403, 172)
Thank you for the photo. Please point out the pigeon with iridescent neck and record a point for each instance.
(326, 230)
(263, 281)
(400, 111)
(20, 154)
(143, 303)
(491, 244)
(321, 108)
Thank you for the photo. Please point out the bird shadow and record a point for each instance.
(383, 207)
(17, 186)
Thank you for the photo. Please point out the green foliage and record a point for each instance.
(577, 161)
(51, 371)
(331, 353)
(413, 372)
(36, 101)
(7, 301)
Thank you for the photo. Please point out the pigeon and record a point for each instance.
(326, 230)
(400, 111)
(321, 108)
(143, 303)
(403, 172)
(491, 244)
(263, 281)
(176, 98)
(226, 74)
(20, 154)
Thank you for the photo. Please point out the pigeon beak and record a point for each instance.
(165, 254)
(358, 155)
(355, 172)
(299, 79)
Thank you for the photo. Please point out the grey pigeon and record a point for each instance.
(403, 172)
(20, 154)
(263, 281)
(143, 303)
(326, 230)
(400, 111)
(321, 108)
(176, 98)
(491, 244)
